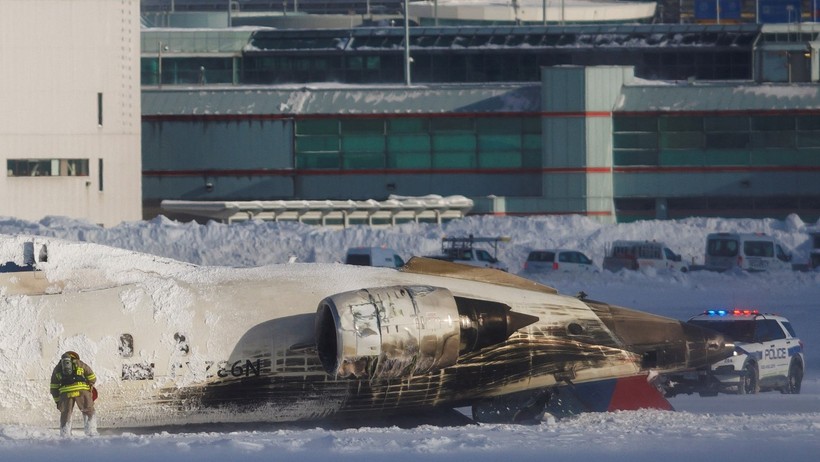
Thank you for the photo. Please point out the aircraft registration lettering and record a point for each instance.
(225, 369)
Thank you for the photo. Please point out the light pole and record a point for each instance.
(544, 11)
(159, 64)
(406, 45)
(562, 12)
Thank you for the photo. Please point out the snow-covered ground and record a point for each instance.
(769, 426)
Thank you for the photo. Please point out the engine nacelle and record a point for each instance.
(388, 332)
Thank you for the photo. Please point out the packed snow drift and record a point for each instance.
(753, 428)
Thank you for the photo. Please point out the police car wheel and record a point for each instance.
(748, 384)
(794, 380)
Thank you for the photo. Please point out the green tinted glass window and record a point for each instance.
(634, 124)
(314, 160)
(408, 125)
(363, 160)
(408, 143)
(498, 125)
(362, 126)
(808, 139)
(446, 124)
(726, 140)
(499, 159)
(454, 159)
(808, 122)
(681, 157)
(317, 143)
(363, 143)
(373, 62)
(635, 140)
(454, 142)
(628, 157)
(773, 123)
(531, 125)
(317, 127)
(409, 160)
(681, 124)
(682, 140)
(498, 142)
(726, 124)
(531, 158)
(531, 142)
(773, 139)
(355, 62)
(727, 157)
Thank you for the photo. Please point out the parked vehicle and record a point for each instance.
(768, 356)
(558, 260)
(463, 250)
(747, 251)
(634, 255)
(373, 256)
(814, 257)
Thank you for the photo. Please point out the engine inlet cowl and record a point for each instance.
(388, 332)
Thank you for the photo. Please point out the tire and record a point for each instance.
(749, 383)
(795, 379)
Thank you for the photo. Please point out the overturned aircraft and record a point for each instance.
(175, 343)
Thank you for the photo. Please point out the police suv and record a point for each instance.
(768, 356)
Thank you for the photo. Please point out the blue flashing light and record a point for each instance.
(717, 312)
(735, 312)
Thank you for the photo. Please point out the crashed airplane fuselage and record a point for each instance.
(174, 343)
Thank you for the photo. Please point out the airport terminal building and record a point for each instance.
(591, 129)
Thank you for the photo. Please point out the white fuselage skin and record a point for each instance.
(158, 332)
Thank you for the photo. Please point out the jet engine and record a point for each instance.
(393, 332)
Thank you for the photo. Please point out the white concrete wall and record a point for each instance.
(55, 57)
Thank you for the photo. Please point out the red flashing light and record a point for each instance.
(746, 312)
(735, 312)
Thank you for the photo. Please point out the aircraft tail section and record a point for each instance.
(617, 394)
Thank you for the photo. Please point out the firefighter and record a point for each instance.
(72, 382)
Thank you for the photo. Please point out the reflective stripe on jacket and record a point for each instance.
(82, 379)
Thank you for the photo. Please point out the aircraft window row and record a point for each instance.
(126, 345)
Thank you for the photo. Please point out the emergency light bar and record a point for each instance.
(735, 312)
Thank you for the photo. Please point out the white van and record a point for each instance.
(635, 255)
(747, 251)
(558, 260)
(373, 256)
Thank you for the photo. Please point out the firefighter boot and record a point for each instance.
(65, 430)
(90, 425)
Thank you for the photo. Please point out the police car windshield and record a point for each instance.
(738, 330)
